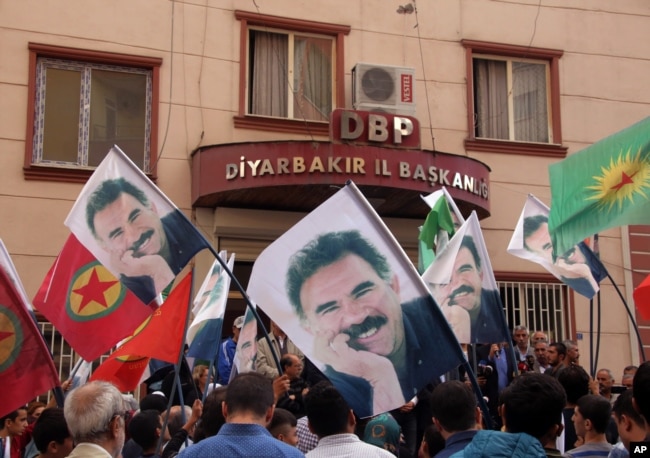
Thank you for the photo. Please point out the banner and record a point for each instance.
(605, 185)
(91, 309)
(132, 228)
(434, 236)
(204, 334)
(579, 268)
(348, 296)
(159, 337)
(26, 367)
(462, 282)
(246, 351)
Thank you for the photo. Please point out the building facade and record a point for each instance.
(234, 109)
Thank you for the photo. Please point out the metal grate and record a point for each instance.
(539, 306)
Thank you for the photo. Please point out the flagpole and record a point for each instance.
(598, 331)
(629, 314)
(477, 390)
(177, 368)
(591, 336)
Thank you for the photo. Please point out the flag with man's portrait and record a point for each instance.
(246, 350)
(204, 333)
(86, 303)
(604, 185)
(132, 228)
(579, 268)
(26, 366)
(462, 281)
(349, 297)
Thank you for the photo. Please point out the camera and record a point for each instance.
(483, 369)
(618, 389)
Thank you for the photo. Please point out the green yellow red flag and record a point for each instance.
(605, 185)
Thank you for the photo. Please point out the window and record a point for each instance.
(539, 306)
(291, 73)
(513, 95)
(84, 103)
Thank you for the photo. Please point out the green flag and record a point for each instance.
(439, 218)
(605, 185)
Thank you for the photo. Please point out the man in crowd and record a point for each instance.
(12, 432)
(227, 352)
(455, 414)
(51, 435)
(332, 420)
(531, 412)
(572, 353)
(575, 381)
(628, 376)
(630, 424)
(537, 336)
(147, 250)
(248, 409)
(590, 419)
(555, 355)
(283, 427)
(376, 350)
(292, 400)
(641, 394)
(265, 363)
(522, 349)
(146, 429)
(605, 383)
(96, 418)
(541, 362)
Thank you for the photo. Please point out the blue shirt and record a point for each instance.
(455, 443)
(226, 358)
(241, 440)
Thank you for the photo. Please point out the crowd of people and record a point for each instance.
(541, 403)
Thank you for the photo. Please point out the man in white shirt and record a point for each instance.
(332, 420)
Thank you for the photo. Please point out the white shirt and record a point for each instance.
(346, 446)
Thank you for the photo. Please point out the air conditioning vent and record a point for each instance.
(383, 88)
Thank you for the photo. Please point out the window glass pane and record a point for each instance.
(491, 99)
(269, 70)
(529, 97)
(61, 120)
(117, 115)
(312, 82)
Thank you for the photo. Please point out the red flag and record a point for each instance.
(86, 303)
(642, 298)
(160, 337)
(26, 367)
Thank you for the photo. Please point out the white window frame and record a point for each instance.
(510, 95)
(85, 68)
(290, 77)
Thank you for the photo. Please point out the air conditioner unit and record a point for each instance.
(383, 88)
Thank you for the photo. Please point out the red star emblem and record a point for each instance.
(94, 291)
(625, 179)
(5, 335)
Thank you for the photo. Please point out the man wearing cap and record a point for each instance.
(227, 352)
